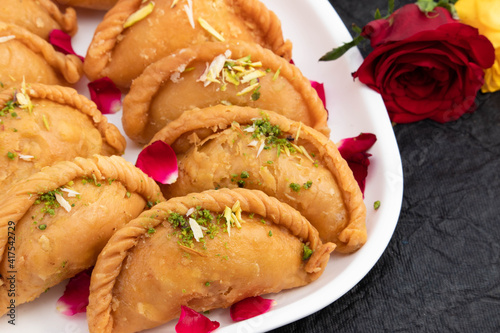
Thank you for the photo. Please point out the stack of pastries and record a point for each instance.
(262, 196)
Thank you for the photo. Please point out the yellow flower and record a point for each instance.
(485, 16)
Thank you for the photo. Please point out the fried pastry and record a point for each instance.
(44, 124)
(231, 146)
(61, 217)
(24, 55)
(38, 16)
(136, 33)
(92, 4)
(205, 250)
(212, 73)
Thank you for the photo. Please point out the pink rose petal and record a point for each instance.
(353, 150)
(159, 162)
(320, 89)
(250, 307)
(191, 321)
(76, 295)
(62, 42)
(105, 94)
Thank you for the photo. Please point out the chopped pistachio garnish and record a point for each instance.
(205, 25)
(295, 187)
(298, 132)
(376, 205)
(199, 223)
(20, 99)
(46, 122)
(11, 155)
(307, 185)
(42, 226)
(270, 234)
(139, 15)
(248, 89)
(23, 99)
(277, 74)
(224, 71)
(307, 252)
(227, 216)
(256, 94)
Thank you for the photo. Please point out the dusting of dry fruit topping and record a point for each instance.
(199, 223)
(20, 99)
(307, 252)
(139, 15)
(205, 25)
(266, 136)
(54, 199)
(224, 71)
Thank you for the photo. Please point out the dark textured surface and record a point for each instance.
(441, 270)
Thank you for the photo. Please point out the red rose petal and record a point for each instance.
(76, 295)
(62, 42)
(353, 150)
(191, 321)
(159, 162)
(320, 89)
(105, 94)
(250, 307)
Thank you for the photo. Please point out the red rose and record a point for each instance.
(425, 66)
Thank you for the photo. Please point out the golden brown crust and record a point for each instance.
(92, 4)
(67, 21)
(69, 66)
(137, 103)
(115, 143)
(113, 255)
(39, 16)
(100, 52)
(20, 197)
(209, 120)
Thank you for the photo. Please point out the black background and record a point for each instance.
(441, 270)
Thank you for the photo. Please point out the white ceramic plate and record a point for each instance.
(314, 28)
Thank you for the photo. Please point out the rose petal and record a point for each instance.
(250, 307)
(62, 42)
(76, 295)
(320, 89)
(191, 321)
(105, 94)
(159, 162)
(353, 150)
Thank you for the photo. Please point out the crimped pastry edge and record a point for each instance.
(69, 66)
(69, 96)
(221, 117)
(110, 260)
(105, 37)
(21, 195)
(137, 102)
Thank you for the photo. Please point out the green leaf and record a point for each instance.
(391, 7)
(339, 51)
(449, 5)
(378, 16)
(426, 6)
